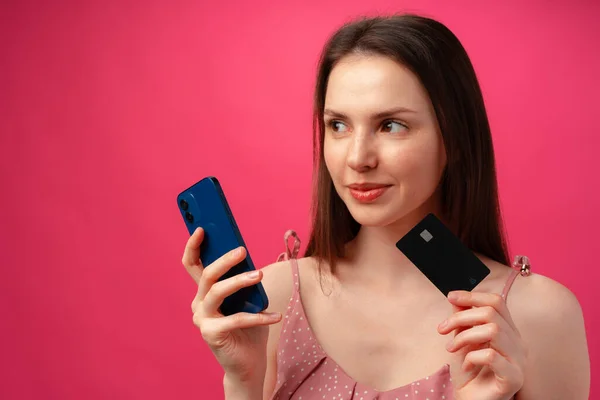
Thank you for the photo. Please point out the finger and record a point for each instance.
(455, 311)
(191, 254)
(214, 330)
(220, 290)
(480, 335)
(481, 299)
(472, 317)
(218, 268)
(507, 374)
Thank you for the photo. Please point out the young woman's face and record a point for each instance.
(383, 146)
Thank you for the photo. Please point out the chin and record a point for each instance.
(387, 213)
(379, 216)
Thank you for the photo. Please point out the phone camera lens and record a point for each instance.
(189, 217)
(184, 205)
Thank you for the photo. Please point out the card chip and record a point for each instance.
(426, 235)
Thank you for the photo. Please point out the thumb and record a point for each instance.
(191, 255)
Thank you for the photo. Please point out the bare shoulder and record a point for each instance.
(277, 281)
(550, 320)
(538, 303)
(535, 300)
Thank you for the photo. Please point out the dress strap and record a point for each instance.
(291, 253)
(521, 266)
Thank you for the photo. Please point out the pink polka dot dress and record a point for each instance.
(306, 372)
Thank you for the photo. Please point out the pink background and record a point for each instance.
(109, 109)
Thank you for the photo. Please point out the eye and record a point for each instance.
(393, 127)
(337, 126)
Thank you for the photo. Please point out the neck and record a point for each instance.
(374, 259)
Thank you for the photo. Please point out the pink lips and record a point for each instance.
(366, 193)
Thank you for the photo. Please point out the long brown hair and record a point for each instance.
(469, 188)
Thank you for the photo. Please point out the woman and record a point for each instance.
(400, 131)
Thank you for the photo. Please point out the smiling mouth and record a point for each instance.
(366, 194)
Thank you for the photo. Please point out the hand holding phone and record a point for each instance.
(203, 205)
(228, 305)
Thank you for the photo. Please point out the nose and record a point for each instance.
(362, 154)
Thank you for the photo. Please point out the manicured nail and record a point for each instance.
(453, 296)
(252, 275)
(275, 316)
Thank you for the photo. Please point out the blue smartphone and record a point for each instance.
(204, 205)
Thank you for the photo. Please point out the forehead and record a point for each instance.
(360, 83)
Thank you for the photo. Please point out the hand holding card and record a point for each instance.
(487, 346)
(480, 337)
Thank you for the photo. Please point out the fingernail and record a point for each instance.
(452, 296)
(443, 324)
(252, 275)
(275, 315)
(449, 345)
(237, 252)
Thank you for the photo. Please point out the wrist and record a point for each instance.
(236, 389)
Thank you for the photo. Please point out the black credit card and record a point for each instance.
(442, 257)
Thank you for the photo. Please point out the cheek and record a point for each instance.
(333, 156)
(417, 163)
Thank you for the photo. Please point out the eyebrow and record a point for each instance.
(380, 115)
